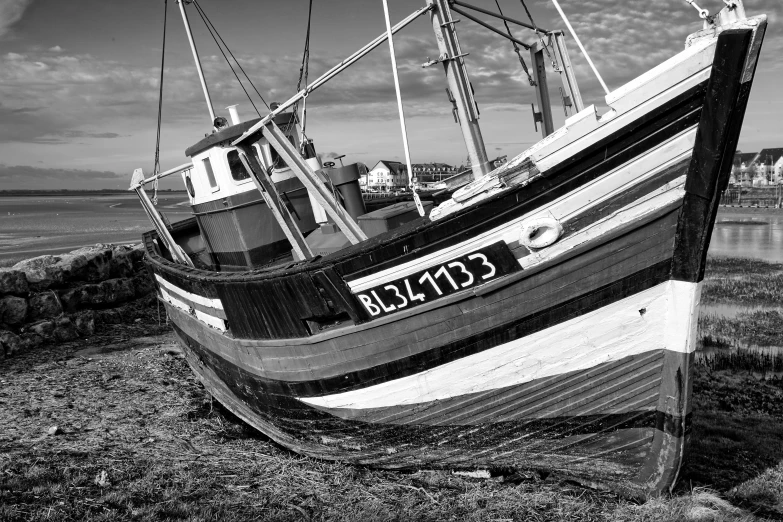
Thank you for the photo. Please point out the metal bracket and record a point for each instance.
(442, 58)
(567, 104)
(454, 110)
(452, 22)
(537, 116)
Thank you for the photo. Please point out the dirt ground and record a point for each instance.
(116, 427)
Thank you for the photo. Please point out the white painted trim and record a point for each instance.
(565, 207)
(211, 320)
(636, 211)
(203, 301)
(674, 70)
(609, 334)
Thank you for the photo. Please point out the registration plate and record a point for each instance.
(461, 273)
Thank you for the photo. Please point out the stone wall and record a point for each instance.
(60, 298)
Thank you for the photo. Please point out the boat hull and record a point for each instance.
(450, 344)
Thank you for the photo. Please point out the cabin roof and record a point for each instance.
(231, 133)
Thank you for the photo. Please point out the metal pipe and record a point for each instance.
(331, 73)
(480, 22)
(419, 207)
(496, 15)
(198, 62)
(581, 47)
(175, 170)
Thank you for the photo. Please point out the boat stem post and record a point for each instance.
(198, 61)
(313, 183)
(457, 74)
(272, 199)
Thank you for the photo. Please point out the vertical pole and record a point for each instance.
(416, 198)
(196, 58)
(569, 78)
(542, 89)
(459, 84)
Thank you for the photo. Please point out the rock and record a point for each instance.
(31, 340)
(94, 263)
(136, 253)
(41, 272)
(142, 284)
(108, 317)
(44, 305)
(13, 282)
(43, 328)
(65, 330)
(10, 343)
(101, 295)
(54, 430)
(85, 322)
(120, 265)
(13, 310)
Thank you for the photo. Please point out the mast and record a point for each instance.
(457, 74)
(196, 58)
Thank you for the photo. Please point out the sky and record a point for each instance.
(79, 80)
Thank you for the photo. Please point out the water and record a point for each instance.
(35, 225)
(758, 235)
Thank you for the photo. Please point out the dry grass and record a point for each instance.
(138, 438)
(743, 281)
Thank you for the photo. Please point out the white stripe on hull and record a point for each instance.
(562, 209)
(214, 322)
(198, 299)
(660, 318)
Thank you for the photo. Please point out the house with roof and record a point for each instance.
(432, 172)
(386, 176)
(743, 169)
(769, 164)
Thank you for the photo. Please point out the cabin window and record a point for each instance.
(277, 161)
(210, 175)
(238, 171)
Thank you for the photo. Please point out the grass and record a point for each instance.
(743, 281)
(138, 438)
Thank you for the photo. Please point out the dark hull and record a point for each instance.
(576, 358)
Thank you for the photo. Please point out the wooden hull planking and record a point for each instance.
(575, 358)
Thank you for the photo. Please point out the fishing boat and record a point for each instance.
(536, 314)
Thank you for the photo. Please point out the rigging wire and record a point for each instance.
(211, 27)
(540, 37)
(304, 72)
(516, 47)
(156, 165)
(204, 19)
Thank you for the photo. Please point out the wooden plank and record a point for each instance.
(279, 210)
(313, 183)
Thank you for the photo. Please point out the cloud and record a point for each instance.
(11, 11)
(56, 49)
(36, 175)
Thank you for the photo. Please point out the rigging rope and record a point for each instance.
(156, 165)
(215, 36)
(516, 47)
